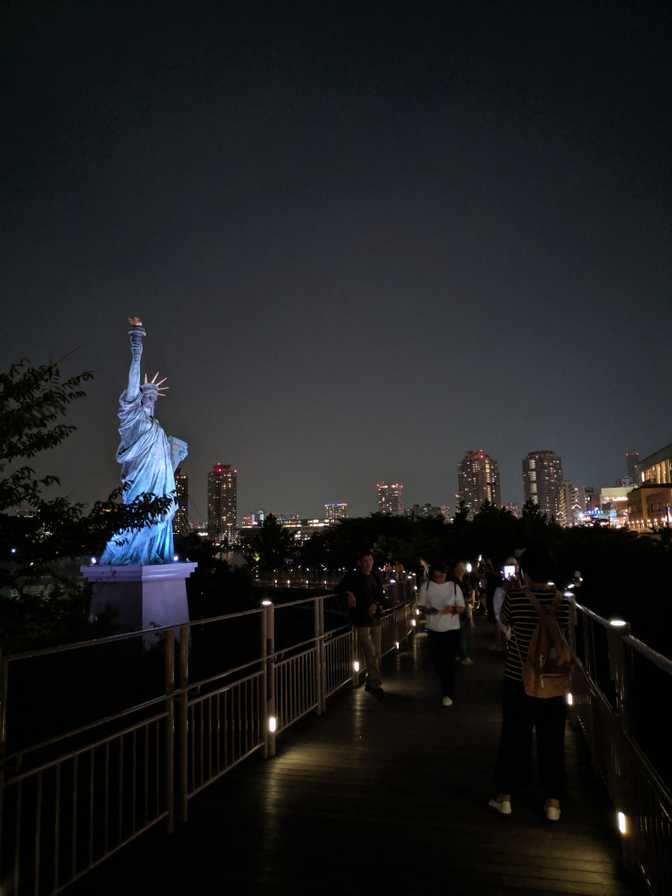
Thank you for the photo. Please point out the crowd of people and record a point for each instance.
(520, 605)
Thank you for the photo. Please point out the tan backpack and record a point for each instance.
(547, 669)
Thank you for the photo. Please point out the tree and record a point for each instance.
(273, 544)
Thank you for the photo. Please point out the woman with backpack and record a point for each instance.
(536, 680)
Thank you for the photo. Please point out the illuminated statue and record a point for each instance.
(148, 461)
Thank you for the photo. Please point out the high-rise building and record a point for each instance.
(390, 497)
(222, 502)
(338, 510)
(542, 481)
(181, 524)
(572, 504)
(632, 464)
(478, 480)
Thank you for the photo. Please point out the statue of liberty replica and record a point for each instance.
(148, 461)
(138, 580)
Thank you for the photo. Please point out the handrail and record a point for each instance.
(152, 757)
(621, 747)
(662, 662)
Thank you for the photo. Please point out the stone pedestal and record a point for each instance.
(140, 596)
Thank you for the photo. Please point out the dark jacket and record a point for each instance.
(367, 590)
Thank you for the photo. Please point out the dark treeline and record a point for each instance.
(623, 573)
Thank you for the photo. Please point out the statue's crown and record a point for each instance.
(153, 388)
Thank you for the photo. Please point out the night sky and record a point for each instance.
(361, 246)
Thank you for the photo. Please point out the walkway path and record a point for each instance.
(382, 797)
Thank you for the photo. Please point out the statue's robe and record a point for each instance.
(146, 466)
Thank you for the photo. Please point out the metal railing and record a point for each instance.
(621, 691)
(70, 800)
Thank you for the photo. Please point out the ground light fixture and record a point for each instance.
(272, 724)
(355, 665)
(622, 822)
(570, 699)
(396, 644)
(413, 623)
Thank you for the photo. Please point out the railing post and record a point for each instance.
(183, 739)
(4, 690)
(618, 630)
(268, 660)
(169, 680)
(354, 660)
(320, 657)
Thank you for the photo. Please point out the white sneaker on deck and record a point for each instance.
(501, 806)
(552, 812)
(447, 701)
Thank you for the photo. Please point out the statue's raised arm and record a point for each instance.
(136, 334)
(148, 459)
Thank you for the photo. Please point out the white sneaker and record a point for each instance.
(447, 701)
(552, 812)
(501, 806)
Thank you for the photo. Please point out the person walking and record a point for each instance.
(521, 714)
(443, 603)
(363, 591)
(464, 580)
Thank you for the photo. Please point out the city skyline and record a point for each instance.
(358, 250)
(567, 493)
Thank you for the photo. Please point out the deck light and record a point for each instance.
(622, 823)
(570, 699)
(393, 581)
(617, 623)
(417, 611)
(272, 724)
(93, 561)
(267, 603)
(469, 567)
(396, 644)
(13, 551)
(413, 623)
(355, 665)
(176, 558)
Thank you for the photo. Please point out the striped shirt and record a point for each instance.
(519, 615)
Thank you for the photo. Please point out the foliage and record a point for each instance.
(272, 544)
(623, 573)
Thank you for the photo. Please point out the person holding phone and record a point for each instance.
(443, 604)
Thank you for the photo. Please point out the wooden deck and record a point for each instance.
(382, 797)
